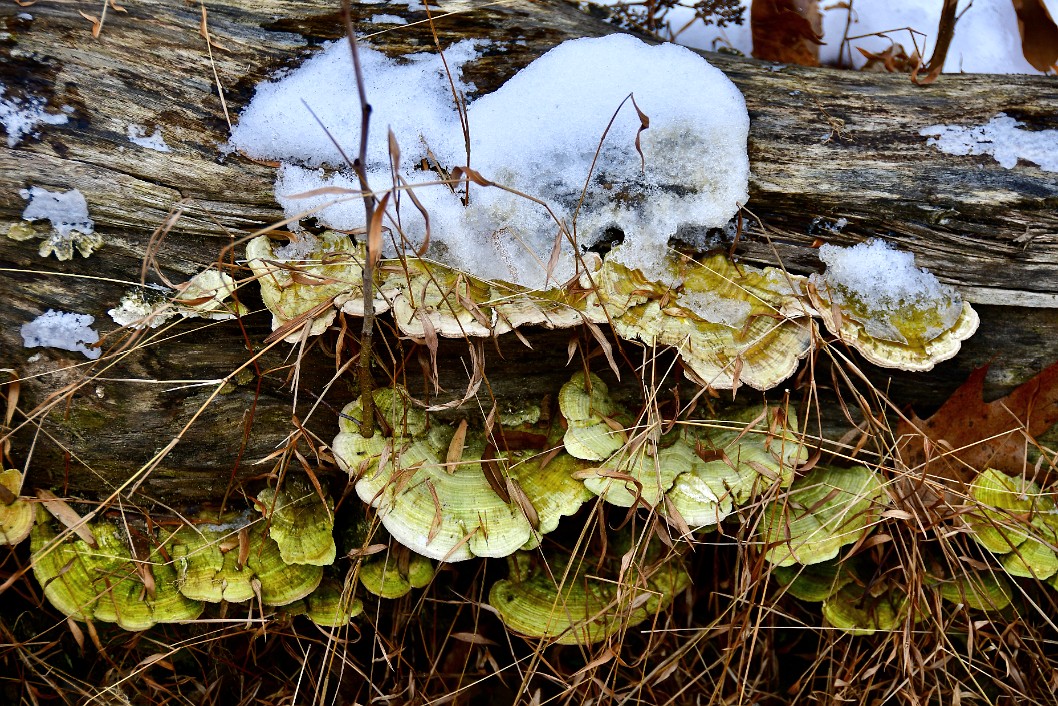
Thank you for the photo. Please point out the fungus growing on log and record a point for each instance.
(825, 510)
(16, 515)
(732, 462)
(1016, 521)
(105, 582)
(895, 314)
(385, 577)
(300, 522)
(585, 608)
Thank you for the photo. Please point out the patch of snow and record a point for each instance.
(1001, 137)
(387, 20)
(138, 136)
(716, 309)
(880, 276)
(538, 134)
(67, 210)
(298, 249)
(62, 330)
(21, 117)
(68, 213)
(279, 123)
(25, 16)
(137, 309)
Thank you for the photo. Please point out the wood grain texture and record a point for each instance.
(823, 145)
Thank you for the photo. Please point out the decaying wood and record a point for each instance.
(824, 145)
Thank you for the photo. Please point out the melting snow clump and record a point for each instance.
(538, 134)
(138, 136)
(68, 213)
(1001, 137)
(21, 117)
(881, 280)
(58, 329)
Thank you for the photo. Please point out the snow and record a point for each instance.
(1002, 138)
(387, 20)
(880, 276)
(22, 116)
(62, 330)
(67, 210)
(537, 134)
(279, 123)
(138, 136)
(986, 38)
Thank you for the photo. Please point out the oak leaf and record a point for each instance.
(968, 435)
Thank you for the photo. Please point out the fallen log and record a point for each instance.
(198, 404)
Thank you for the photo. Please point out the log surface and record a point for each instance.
(824, 145)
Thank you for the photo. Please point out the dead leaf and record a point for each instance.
(1039, 34)
(789, 31)
(97, 26)
(69, 517)
(981, 434)
(455, 448)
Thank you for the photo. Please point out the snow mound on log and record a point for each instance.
(539, 134)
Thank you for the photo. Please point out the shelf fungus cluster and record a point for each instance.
(113, 571)
(730, 324)
(1017, 522)
(699, 472)
(564, 600)
(452, 493)
(16, 513)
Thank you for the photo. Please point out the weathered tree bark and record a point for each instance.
(824, 145)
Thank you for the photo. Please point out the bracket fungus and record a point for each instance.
(585, 404)
(813, 583)
(452, 497)
(16, 514)
(857, 610)
(106, 582)
(895, 314)
(733, 461)
(583, 608)
(981, 590)
(823, 511)
(331, 605)
(732, 325)
(309, 286)
(237, 561)
(300, 522)
(1016, 521)
(387, 577)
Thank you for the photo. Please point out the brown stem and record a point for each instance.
(367, 384)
